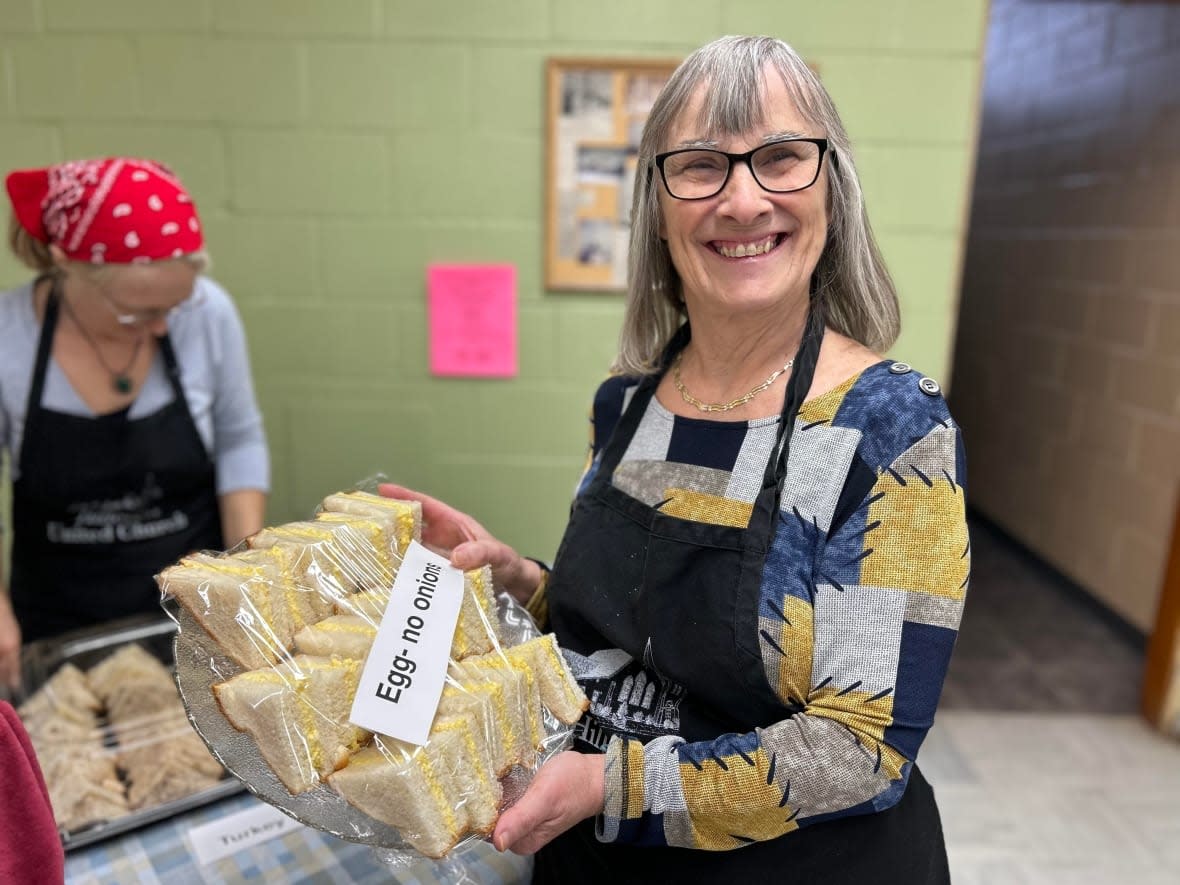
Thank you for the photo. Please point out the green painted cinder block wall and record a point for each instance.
(335, 147)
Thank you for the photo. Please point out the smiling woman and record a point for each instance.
(761, 609)
(125, 398)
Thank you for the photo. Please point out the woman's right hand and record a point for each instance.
(9, 645)
(469, 544)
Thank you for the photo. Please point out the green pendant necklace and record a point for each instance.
(120, 379)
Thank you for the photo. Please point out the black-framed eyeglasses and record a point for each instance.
(790, 164)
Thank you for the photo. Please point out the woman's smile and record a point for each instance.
(746, 248)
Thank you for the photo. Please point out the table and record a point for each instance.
(161, 853)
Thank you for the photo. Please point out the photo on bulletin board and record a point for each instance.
(596, 112)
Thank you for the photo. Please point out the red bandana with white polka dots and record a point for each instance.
(118, 210)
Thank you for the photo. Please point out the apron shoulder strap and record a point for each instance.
(44, 346)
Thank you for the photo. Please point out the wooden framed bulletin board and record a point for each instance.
(596, 112)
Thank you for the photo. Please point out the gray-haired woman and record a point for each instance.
(763, 574)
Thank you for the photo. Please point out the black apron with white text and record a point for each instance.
(101, 504)
(664, 613)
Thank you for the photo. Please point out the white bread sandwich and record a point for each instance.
(560, 692)
(378, 531)
(411, 788)
(530, 694)
(303, 600)
(62, 721)
(297, 714)
(339, 557)
(347, 636)
(477, 630)
(473, 776)
(66, 698)
(403, 517)
(510, 691)
(245, 607)
(482, 703)
(368, 605)
(162, 758)
(159, 754)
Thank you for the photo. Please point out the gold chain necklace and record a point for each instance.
(733, 403)
(120, 380)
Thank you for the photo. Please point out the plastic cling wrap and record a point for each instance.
(272, 642)
(110, 731)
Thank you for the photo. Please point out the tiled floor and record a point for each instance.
(1056, 799)
(1044, 773)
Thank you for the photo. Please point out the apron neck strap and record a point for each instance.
(45, 347)
(44, 343)
(803, 373)
(762, 519)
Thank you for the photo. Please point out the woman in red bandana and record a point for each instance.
(126, 403)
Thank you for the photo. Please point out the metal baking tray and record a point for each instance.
(85, 648)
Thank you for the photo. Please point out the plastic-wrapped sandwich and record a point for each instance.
(489, 719)
(298, 610)
(403, 518)
(252, 602)
(114, 739)
(297, 713)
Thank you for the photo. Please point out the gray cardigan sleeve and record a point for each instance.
(221, 391)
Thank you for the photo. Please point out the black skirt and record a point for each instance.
(902, 845)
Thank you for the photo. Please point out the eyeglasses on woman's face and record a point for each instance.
(782, 166)
(171, 295)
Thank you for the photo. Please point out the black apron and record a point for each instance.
(680, 599)
(102, 504)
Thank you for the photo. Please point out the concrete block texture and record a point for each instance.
(226, 80)
(617, 23)
(311, 18)
(1078, 243)
(23, 145)
(20, 17)
(399, 86)
(126, 16)
(520, 21)
(75, 77)
(321, 172)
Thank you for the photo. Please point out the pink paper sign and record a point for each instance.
(472, 320)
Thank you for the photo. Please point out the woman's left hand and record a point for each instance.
(569, 788)
(469, 544)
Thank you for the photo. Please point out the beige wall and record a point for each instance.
(1067, 365)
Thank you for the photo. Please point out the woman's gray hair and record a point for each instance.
(850, 281)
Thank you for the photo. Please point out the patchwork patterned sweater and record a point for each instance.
(861, 598)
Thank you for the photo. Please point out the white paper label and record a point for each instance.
(229, 835)
(403, 677)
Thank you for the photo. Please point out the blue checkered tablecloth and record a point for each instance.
(161, 853)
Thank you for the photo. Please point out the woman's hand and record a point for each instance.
(469, 544)
(9, 645)
(568, 789)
